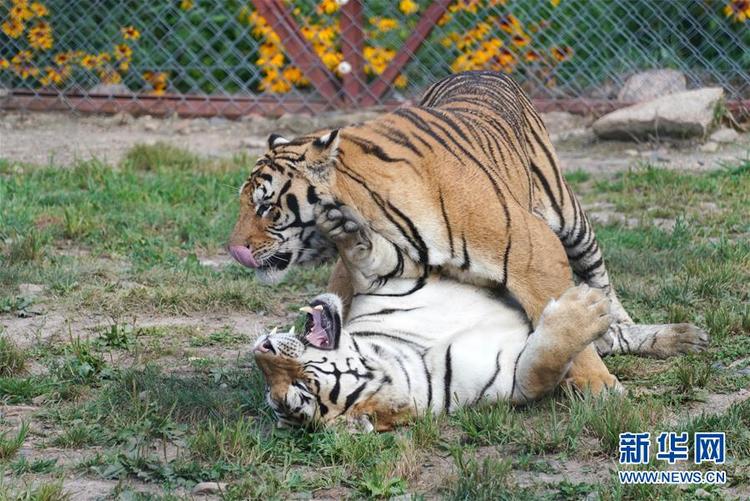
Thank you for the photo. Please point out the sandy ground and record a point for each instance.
(61, 138)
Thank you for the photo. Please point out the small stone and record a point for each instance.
(205, 488)
(30, 290)
(39, 400)
(631, 153)
(150, 126)
(709, 147)
(702, 493)
(724, 135)
(709, 206)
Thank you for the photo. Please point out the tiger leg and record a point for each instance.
(658, 341)
(566, 328)
(340, 283)
(365, 255)
(569, 222)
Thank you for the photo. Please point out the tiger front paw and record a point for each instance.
(346, 229)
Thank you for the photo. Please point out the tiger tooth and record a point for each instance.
(306, 309)
(319, 307)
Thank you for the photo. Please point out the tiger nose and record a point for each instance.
(243, 255)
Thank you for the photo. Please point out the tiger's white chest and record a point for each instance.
(447, 344)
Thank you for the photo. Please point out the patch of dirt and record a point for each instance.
(61, 138)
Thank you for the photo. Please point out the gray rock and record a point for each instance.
(682, 115)
(709, 147)
(702, 493)
(724, 135)
(652, 84)
(206, 488)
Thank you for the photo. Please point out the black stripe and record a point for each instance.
(447, 380)
(353, 396)
(467, 261)
(384, 311)
(492, 379)
(371, 148)
(447, 223)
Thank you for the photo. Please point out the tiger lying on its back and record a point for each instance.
(466, 182)
(407, 350)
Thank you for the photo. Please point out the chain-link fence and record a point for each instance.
(231, 57)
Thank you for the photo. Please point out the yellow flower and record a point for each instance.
(740, 9)
(13, 28)
(328, 7)
(20, 12)
(554, 3)
(123, 52)
(509, 23)
(331, 59)
(55, 76)
(401, 81)
(532, 56)
(377, 59)
(293, 74)
(186, 4)
(89, 61)
(40, 36)
(408, 6)
(23, 56)
(63, 58)
(4, 63)
(562, 53)
(506, 59)
(110, 77)
(159, 81)
(520, 40)
(384, 23)
(38, 9)
(25, 71)
(130, 33)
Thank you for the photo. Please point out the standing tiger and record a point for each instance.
(465, 182)
(408, 350)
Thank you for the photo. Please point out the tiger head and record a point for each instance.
(310, 375)
(276, 224)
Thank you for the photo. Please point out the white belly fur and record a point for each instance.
(479, 328)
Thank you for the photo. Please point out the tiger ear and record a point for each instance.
(327, 145)
(275, 140)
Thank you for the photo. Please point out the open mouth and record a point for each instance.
(321, 328)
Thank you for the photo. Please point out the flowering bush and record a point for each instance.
(30, 36)
(225, 46)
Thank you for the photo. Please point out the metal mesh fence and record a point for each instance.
(230, 57)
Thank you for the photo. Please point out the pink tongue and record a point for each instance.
(243, 255)
(317, 335)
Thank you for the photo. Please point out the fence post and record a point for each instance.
(384, 81)
(300, 52)
(352, 47)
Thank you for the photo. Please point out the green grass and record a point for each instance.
(171, 403)
(12, 359)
